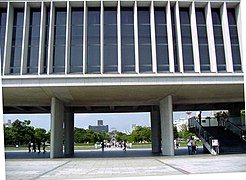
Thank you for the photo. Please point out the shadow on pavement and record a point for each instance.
(98, 153)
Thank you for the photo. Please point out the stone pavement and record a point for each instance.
(126, 166)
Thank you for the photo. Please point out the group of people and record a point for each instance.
(192, 147)
(221, 118)
(36, 146)
(122, 144)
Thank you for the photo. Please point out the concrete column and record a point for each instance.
(8, 38)
(57, 118)
(119, 37)
(68, 32)
(210, 33)
(170, 37)
(166, 112)
(239, 30)
(85, 39)
(25, 39)
(69, 134)
(102, 38)
(51, 39)
(156, 131)
(226, 38)
(136, 37)
(194, 35)
(42, 39)
(178, 36)
(153, 40)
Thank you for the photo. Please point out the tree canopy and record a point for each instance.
(21, 132)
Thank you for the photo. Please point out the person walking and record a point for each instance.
(103, 145)
(189, 145)
(29, 146)
(34, 147)
(39, 145)
(44, 146)
(124, 145)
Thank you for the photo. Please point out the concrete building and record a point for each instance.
(68, 56)
(100, 127)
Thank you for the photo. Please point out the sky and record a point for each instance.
(120, 121)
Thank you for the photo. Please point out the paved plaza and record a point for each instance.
(115, 163)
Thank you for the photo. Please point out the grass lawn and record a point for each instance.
(82, 146)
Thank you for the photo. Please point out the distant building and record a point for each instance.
(100, 127)
(8, 124)
(100, 122)
(180, 122)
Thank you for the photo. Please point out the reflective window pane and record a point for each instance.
(176, 63)
(127, 40)
(47, 25)
(186, 39)
(236, 57)
(218, 39)
(59, 40)
(15, 61)
(144, 41)
(202, 40)
(110, 40)
(33, 44)
(3, 15)
(93, 40)
(161, 40)
(76, 40)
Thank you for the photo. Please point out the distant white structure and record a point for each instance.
(133, 127)
(181, 121)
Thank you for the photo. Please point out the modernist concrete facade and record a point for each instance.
(64, 57)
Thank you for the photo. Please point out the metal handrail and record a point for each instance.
(235, 129)
(204, 136)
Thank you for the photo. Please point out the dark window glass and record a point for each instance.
(76, 52)
(59, 40)
(47, 25)
(186, 39)
(161, 40)
(218, 39)
(176, 63)
(202, 40)
(144, 40)
(236, 57)
(127, 40)
(110, 40)
(33, 43)
(3, 15)
(15, 61)
(93, 40)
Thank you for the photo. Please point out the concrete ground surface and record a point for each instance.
(117, 164)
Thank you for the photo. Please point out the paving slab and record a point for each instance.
(124, 166)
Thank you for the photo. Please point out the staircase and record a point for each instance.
(229, 142)
(229, 139)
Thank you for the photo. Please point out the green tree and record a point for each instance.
(120, 136)
(184, 132)
(40, 134)
(8, 136)
(21, 132)
(141, 134)
(175, 132)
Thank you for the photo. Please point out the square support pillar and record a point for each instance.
(166, 111)
(156, 131)
(69, 134)
(57, 118)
